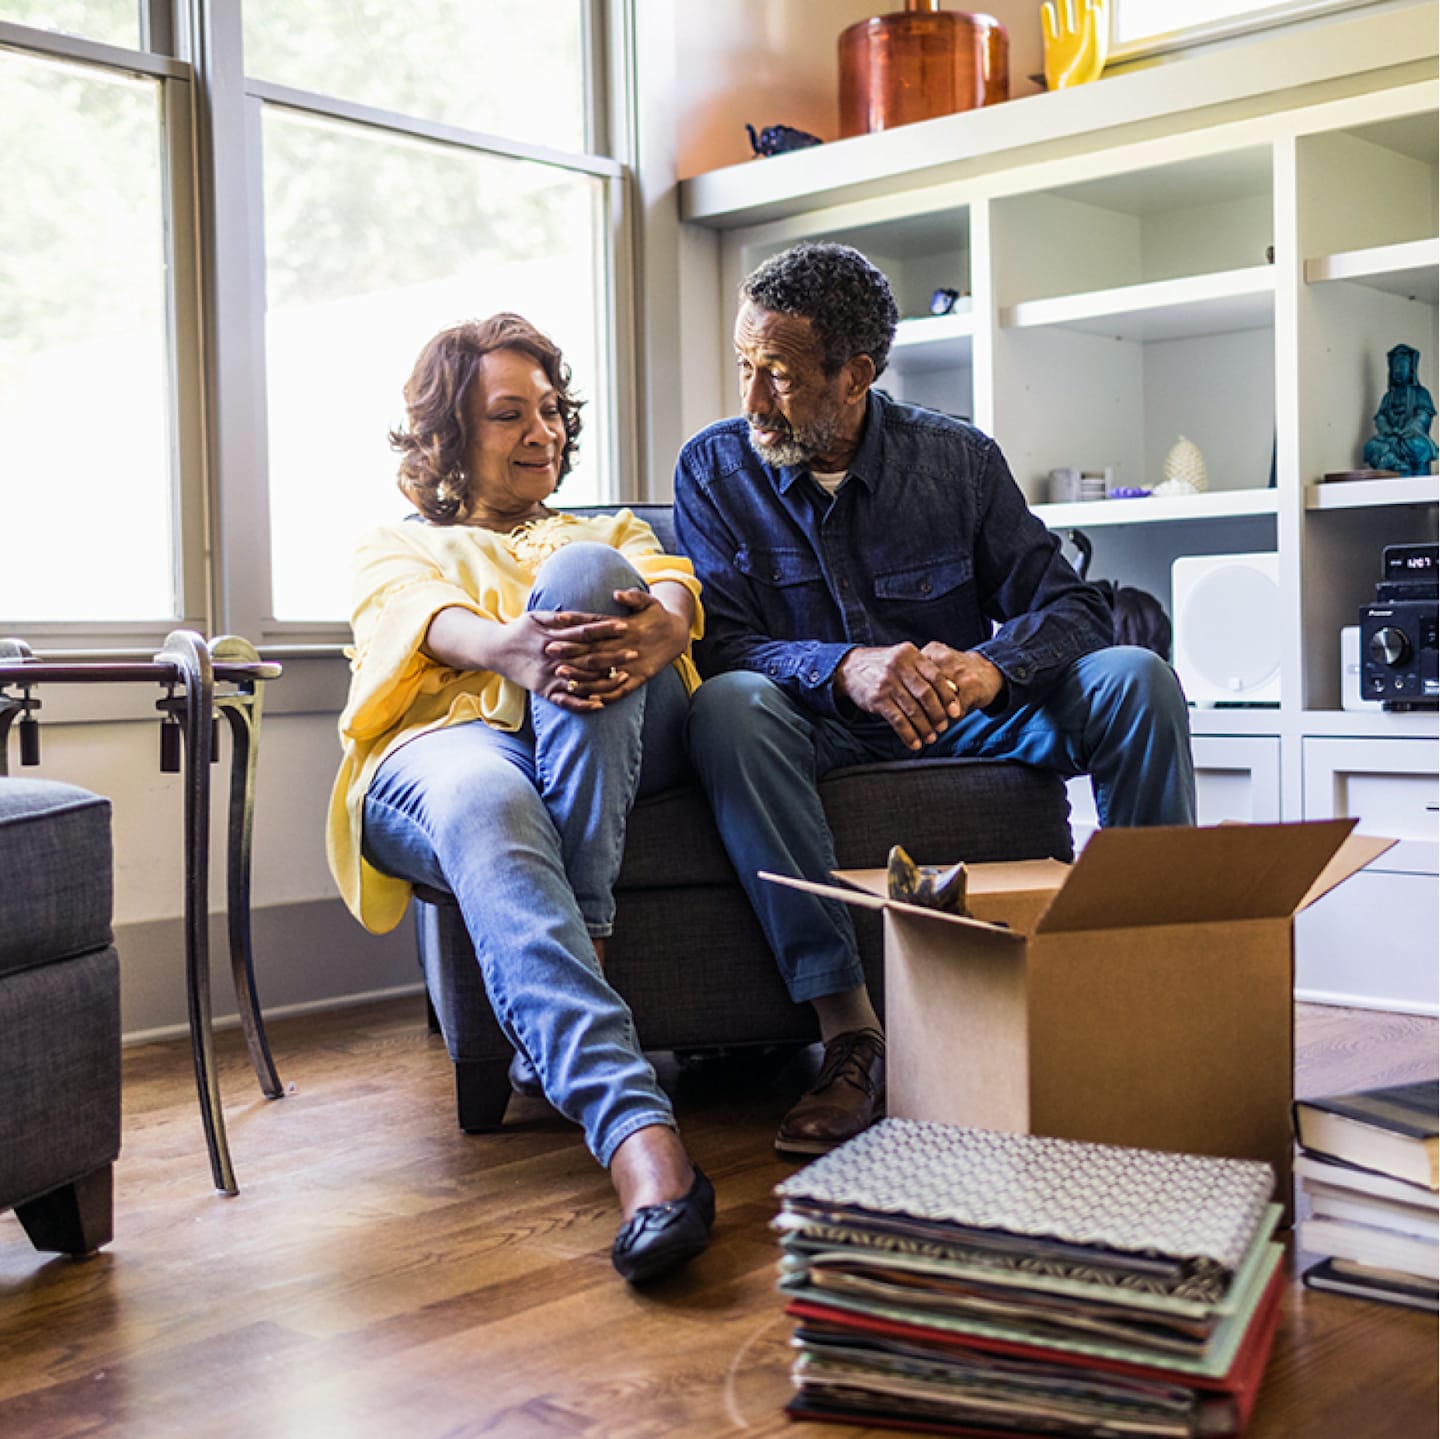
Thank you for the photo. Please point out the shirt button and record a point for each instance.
(774, 574)
(814, 677)
(925, 587)
(844, 583)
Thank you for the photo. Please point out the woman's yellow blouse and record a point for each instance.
(405, 574)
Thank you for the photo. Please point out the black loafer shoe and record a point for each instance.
(659, 1238)
(523, 1079)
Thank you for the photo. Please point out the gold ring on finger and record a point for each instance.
(572, 685)
(614, 673)
(954, 688)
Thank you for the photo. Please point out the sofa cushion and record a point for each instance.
(941, 810)
(56, 886)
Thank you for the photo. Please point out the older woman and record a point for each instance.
(520, 676)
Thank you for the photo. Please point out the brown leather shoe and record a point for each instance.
(849, 1095)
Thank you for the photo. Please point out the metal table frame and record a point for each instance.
(225, 676)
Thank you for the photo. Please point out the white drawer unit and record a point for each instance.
(1375, 941)
(1392, 786)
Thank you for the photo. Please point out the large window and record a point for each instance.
(201, 355)
(506, 67)
(359, 276)
(88, 480)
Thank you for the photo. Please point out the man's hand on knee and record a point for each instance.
(904, 686)
(969, 678)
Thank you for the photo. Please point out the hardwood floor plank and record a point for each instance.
(383, 1274)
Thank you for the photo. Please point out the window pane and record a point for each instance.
(374, 242)
(111, 22)
(508, 67)
(85, 455)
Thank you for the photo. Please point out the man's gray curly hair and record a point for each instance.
(845, 298)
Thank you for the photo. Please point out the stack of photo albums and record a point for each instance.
(972, 1282)
(1370, 1169)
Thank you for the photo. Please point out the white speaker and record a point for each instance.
(1226, 612)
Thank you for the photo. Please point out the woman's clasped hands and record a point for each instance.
(584, 661)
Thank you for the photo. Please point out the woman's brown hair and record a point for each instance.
(433, 441)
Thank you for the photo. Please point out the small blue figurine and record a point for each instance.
(1401, 441)
(777, 139)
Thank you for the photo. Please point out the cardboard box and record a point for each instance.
(1141, 996)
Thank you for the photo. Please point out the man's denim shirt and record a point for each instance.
(929, 538)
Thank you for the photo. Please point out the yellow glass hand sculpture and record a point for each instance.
(1074, 50)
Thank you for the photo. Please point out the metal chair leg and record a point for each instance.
(243, 710)
(186, 650)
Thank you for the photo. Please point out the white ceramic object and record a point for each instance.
(1185, 467)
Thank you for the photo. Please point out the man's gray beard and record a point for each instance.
(798, 448)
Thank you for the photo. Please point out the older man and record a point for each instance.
(875, 588)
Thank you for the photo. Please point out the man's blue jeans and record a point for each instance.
(527, 830)
(1117, 715)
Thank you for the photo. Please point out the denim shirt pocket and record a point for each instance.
(779, 568)
(919, 584)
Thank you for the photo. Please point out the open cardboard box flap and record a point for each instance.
(1130, 878)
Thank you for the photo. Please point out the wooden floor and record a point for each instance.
(382, 1274)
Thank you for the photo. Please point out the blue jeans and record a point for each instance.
(1117, 714)
(527, 831)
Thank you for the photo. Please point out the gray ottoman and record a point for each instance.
(59, 1014)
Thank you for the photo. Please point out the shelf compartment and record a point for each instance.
(1410, 270)
(1373, 494)
(1158, 509)
(1213, 304)
(935, 342)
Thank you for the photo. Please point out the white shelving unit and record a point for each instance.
(1162, 310)
(1232, 272)
(1407, 269)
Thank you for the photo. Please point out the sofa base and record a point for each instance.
(75, 1219)
(688, 955)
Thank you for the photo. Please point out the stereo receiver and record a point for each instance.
(1398, 645)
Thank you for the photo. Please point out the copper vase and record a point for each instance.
(918, 63)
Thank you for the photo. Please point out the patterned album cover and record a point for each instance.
(1093, 1204)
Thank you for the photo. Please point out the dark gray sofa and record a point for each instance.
(59, 1014)
(687, 953)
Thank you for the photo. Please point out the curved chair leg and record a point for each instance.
(242, 710)
(187, 652)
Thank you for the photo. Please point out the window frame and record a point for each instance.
(234, 159)
(214, 239)
(188, 498)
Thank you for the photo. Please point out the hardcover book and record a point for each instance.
(1393, 1130)
(1318, 1172)
(1365, 1244)
(1361, 1281)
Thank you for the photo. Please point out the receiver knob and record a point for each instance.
(1389, 646)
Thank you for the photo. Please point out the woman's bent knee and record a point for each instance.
(584, 575)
